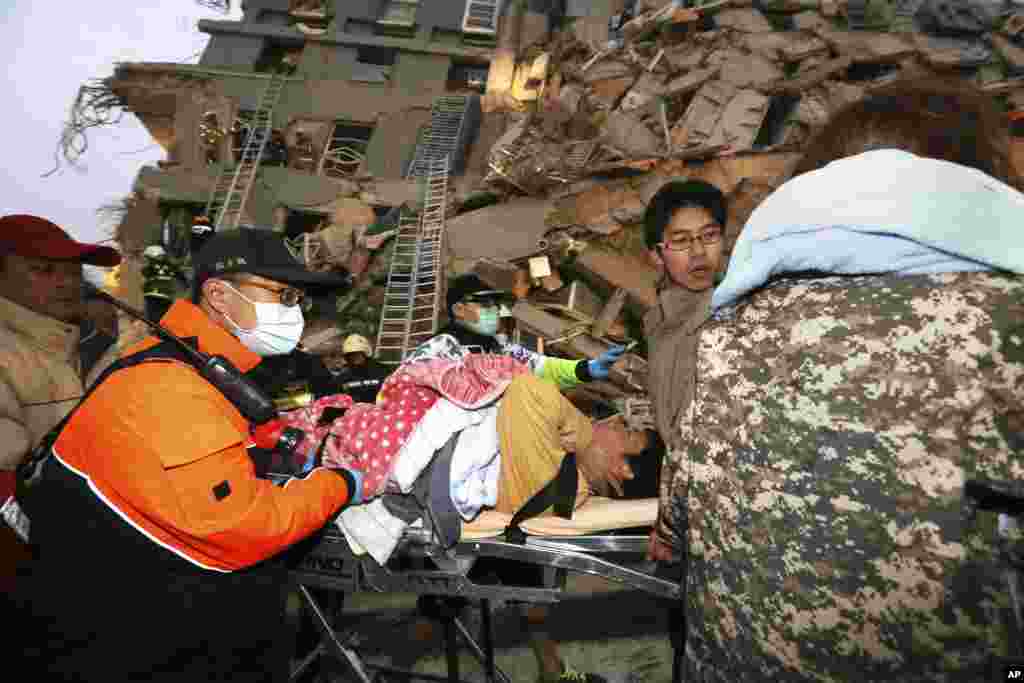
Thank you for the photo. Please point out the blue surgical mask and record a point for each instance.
(278, 328)
(486, 323)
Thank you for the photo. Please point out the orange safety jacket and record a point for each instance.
(164, 450)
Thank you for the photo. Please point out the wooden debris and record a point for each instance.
(562, 335)
(610, 313)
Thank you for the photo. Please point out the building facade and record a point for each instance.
(356, 82)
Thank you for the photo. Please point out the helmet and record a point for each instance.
(356, 343)
(154, 251)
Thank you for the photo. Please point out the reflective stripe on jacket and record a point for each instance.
(166, 451)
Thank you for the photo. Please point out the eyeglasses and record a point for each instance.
(685, 242)
(288, 296)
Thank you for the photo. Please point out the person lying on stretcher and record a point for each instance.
(515, 429)
(522, 428)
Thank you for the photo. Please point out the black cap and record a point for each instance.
(677, 194)
(461, 288)
(258, 252)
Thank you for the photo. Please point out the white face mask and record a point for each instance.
(278, 328)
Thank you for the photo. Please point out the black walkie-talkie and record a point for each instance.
(254, 405)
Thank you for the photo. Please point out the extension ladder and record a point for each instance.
(230, 192)
(441, 139)
(412, 297)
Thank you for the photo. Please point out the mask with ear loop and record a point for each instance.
(278, 327)
(485, 324)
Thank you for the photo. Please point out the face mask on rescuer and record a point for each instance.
(278, 328)
(486, 324)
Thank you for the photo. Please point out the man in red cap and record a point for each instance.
(42, 374)
(41, 306)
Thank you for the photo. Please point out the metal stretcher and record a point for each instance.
(420, 566)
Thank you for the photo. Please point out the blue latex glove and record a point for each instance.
(602, 365)
(357, 494)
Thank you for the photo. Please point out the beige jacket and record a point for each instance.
(40, 378)
(670, 328)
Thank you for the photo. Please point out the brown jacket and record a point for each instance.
(40, 377)
(670, 328)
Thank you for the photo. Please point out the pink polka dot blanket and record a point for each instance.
(370, 437)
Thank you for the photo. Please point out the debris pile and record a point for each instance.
(588, 119)
(604, 110)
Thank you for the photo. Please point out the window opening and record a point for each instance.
(374, 64)
(463, 77)
(481, 16)
(345, 152)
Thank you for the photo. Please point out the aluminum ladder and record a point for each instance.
(441, 139)
(230, 192)
(412, 297)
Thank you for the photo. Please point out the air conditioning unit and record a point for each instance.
(481, 16)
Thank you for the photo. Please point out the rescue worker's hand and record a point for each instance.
(357, 481)
(601, 366)
(658, 549)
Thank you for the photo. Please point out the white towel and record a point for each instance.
(371, 529)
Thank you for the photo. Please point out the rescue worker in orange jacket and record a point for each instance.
(157, 546)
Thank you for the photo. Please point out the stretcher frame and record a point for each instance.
(331, 566)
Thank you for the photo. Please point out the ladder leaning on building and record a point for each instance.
(414, 292)
(230, 192)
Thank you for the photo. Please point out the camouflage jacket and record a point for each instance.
(833, 424)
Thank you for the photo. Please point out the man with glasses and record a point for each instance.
(683, 228)
(158, 545)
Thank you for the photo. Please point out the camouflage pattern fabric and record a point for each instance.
(833, 425)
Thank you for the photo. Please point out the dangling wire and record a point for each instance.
(95, 105)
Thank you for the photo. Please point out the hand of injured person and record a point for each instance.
(603, 462)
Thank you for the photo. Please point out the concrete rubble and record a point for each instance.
(585, 116)
(729, 92)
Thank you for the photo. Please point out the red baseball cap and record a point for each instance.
(34, 236)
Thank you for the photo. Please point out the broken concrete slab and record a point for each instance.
(570, 96)
(690, 82)
(868, 47)
(721, 55)
(812, 78)
(607, 69)
(608, 271)
(698, 123)
(606, 94)
(802, 45)
(768, 45)
(627, 133)
(592, 31)
(595, 208)
(741, 120)
(750, 70)
(685, 57)
(648, 87)
(745, 20)
(503, 232)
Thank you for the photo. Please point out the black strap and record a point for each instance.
(559, 493)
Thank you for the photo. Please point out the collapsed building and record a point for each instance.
(411, 141)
